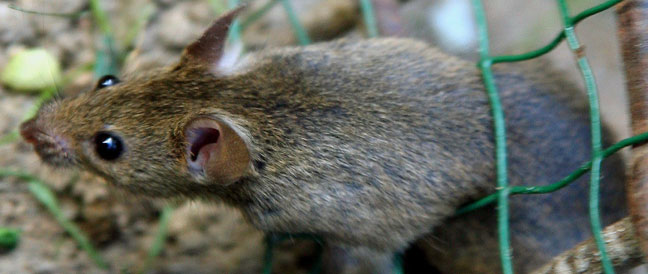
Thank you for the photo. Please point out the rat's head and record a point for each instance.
(154, 134)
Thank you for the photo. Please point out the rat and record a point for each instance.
(371, 145)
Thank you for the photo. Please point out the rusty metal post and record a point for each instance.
(633, 34)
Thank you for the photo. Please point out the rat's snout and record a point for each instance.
(53, 149)
(29, 131)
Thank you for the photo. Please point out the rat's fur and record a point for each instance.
(367, 143)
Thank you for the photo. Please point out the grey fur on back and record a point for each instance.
(383, 139)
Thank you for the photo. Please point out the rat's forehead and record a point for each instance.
(150, 101)
(130, 104)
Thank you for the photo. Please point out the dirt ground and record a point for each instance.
(208, 237)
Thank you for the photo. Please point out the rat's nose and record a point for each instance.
(29, 131)
(52, 149)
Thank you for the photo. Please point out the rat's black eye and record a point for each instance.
(106, 81)
(108, 146)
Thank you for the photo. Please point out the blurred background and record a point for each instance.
(63, 46)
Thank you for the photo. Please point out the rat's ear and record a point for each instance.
(216, 150)
(208, 49)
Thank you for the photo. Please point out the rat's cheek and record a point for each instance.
(86, 148)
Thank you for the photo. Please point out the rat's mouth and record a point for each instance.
(53, 156)
(53, 152)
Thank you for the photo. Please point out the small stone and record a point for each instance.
(31, 70)
(192, 242)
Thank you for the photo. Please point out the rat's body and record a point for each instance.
(368, 144)
(415, 148)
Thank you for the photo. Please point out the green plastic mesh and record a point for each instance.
(503, 189)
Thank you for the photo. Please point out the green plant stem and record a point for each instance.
(235, 31)
(300, 32)
(45, 196)
(71, 15)
(107, 56)
(256, 15)
(160, 238)
(100, 17)
(369, 18)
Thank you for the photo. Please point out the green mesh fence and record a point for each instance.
(485, 63)
(503, 189)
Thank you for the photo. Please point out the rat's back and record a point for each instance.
(400, 135)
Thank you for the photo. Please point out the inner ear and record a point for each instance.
(199, 138)
(215, 150)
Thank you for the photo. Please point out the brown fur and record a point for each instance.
(369, 144)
